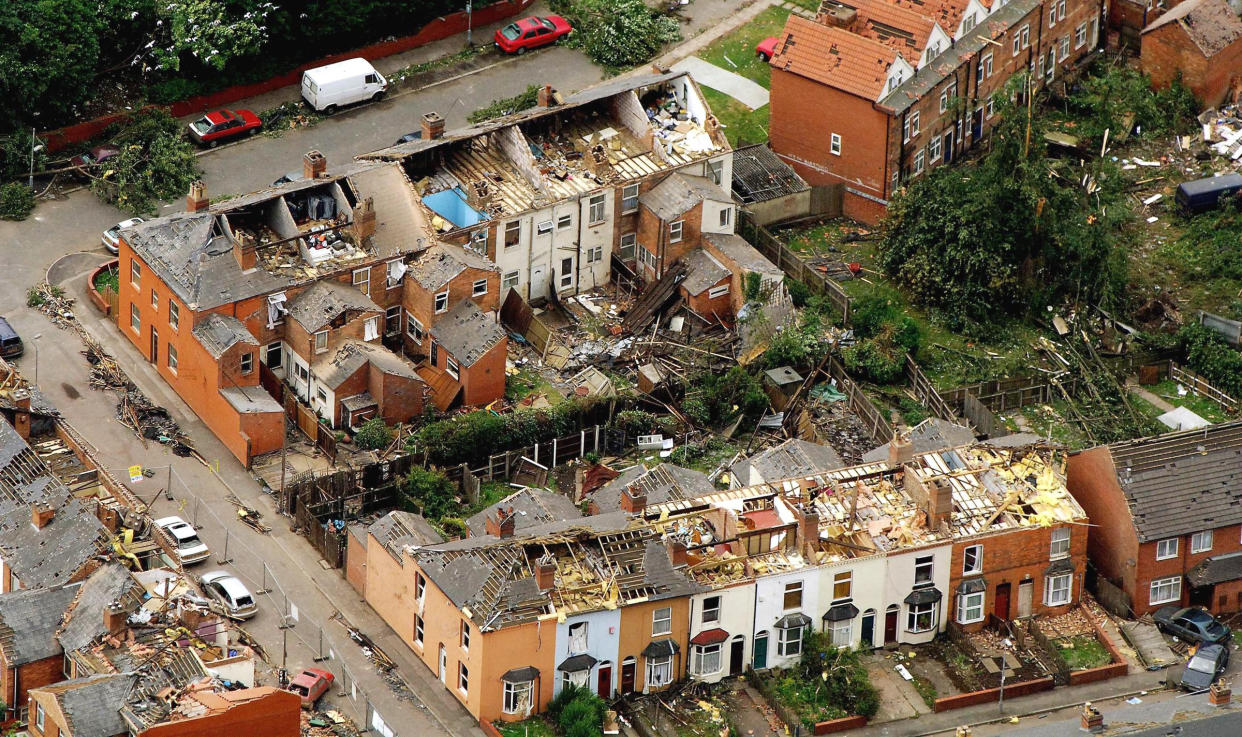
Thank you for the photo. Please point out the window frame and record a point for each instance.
(463, 678)
(700, 654)
(1174, 583)
(916, 612)
(135, 318)
(834, 144)
(171, 357)
(841, 633)
(796, 589)
(934, 148)
(596, 209)
(629, 202)
(1057, 547)
(321, 336)
(414, 328)
(715, 172)
(632, 246)
(245, 363)
(420, 630)
(464, 635)
(420, 587)
(925, 563)
(174, 315)
(155, 301)
(567, 274)
(392, 319)
(1196, 542)
(451, 367)
(665, 615)
(362, 284)
(787, 646)
(505, 282)
(719, 291)
(543, 228)
(919, 161)
(1053, 588)
(135, 273)
(511, 234)
(278, 348)
(435, 304)
(714, 610)
(662, 664)
(974, 552)
(676, 231)
(564, 221)
(839, 579)
(965, 605)
(40, 717)
(511, 694)
(1169, 555)
(726, 217)
(1080, 35)
(475, 291)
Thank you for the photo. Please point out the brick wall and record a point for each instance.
(275, 713)
(653, 234)
(1168, 51)
(356, 563)
(712, 308)
(399, 398)
(1113, 544)
(484, 381)
(38, 674)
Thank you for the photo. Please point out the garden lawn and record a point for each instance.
(1084, 652)
(1197, 403)
(736, 53)
(531, 727)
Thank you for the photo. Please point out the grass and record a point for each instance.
(1052, 420)
(805, 698)
(1083, 652)
(1197, 403)
(107, 279)
(736, 53)
(927, 690)
(527, 382)
(811, 5)
(703, 456)
(532, 727)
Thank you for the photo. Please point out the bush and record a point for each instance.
(374, 434)
(578, 711)
(429, 493)
(1207, 353)
(722, 396)
(155, 163)
(875, 359)
(472, 437)
(15, 150)
(506, 105)
(1109, 92)
(799, 292)
(618, 33)
(635, 422)
(16, 201)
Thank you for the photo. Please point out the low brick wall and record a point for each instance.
(1119, 666)
(489, 729)
(96, 298)
(840, 725)
(1024, 688)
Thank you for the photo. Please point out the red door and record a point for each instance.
(890, 625)
(1001, 609)
(604, 683)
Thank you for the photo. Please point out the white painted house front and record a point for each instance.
(721, 622)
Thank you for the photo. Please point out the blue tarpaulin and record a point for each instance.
(451, 205)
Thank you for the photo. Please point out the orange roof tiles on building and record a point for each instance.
(948, 13)
(891, 24)
(834, 57)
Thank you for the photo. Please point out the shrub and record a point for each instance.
(1110, 92)
(16, 201)
(506, 105)
(472, 437)
(722, 396)
(875, 359)
(635, 422)
(430, 493)
(1207, 353)
(618, 33)
(799, 292)
(578, 711)
(374, 434)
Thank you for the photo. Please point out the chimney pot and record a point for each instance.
(634, 499)
(433, 125)
(546, 96)
(900, 451)
(41, 515)
(114, 618)
(503, 524)
(545, 573)
(196, 200)
(314, 165)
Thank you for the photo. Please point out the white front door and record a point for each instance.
(443, 665)
(1026, 591)
(538, 283)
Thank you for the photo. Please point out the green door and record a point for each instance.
(761, 651)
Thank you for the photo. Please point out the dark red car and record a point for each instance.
(531, 33)
(223, 125)
(766, 48)
(310, 684)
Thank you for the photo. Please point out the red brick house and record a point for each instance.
(1200, 40)
(1167, 525)
(674, 215)
(30, 655)
(466, 363)
(868, 97)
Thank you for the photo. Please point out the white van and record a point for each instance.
(328, 87)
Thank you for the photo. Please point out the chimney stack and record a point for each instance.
(545, 573)
(503, 524)
(196, 200)
(364, 220)
(114, 617)
(900, 450)
(808, 529)
(21, 417)
(677, 552)
(314, 165)
(831, 14)
(433, 126)
(547, 97)
(41, 515)
(634, 499)
(245, 250)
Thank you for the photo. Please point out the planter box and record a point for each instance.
(96, 298)
(1023, 688)
(840, 725)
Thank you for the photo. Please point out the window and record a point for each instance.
(567, 273)
(984, 70)
(1060, 9)
(321, 341)
(451, 368)
(371, 328)
(155, 301)
(659, 671)
(1164, 590)
(675, 230)
(715, 172)
(923, 570)
(135, 272)
(1063, 52)
(172, 358)
(442, 302)
(39, 716)
(596, 209)
(247, 363)
(662, 621)
(933, 148)
(842, 586)
(414, 328)
(1166, 549)
(1057, 589)
(362, 280)
(790, 642)
(648, 258)
(275, 355)
(1051, 67)
(1052, 15)
(392, 320)
(793, 595)
(575, 678)
(1080, 36)
(970, 608)
(932, 51)
(564, 221)
(513, 233)
(711, 609)
(544, 228)
(1201, 542)
(517, 697)
(921, 617)
(628, 242)
(972, 559)
(911, 129)
(1060, 545)
(420, 586)
(629, 198)
(705, 660)
(719, 291)
(918, 162)
(465, 635)
(394, 270)
(480, 288)
(174, 315)
(726, 217)
(991, 105)
(842, 633)
(419, 629)
(968, 23)
(463, 678)
(1021, 39)
(322, 395)
(834, 144)
(578, 637)
(944, 100)
(594, 254)
(135, 318)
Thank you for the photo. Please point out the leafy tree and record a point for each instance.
(847, 684)
(618, 33)
(506, 105)
(16, 201)
(429, 493)
(15, 150)
(718, 397)
(49, 50)
(155, 164)
(1110, 92)
(210, 31)
(1207, 353)
(374, 434)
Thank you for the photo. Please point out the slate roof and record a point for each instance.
(929, 435)
(397, 529)
(1210, 24)
(662, 483)
(530, 507)
(218, 333)
(1184, 482)
(84, 617)
(91, 704)
(24, 477)
(834, 57)
(793, 458)
(51, 555)
(703, 271)
(760, 175)
(735, 248)
(679, 193)
(440, 263)
(333, 369)
(467, 332)
(29, 619)
(319, 304)
(1217, 569)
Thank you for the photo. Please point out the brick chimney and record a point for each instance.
(677, 552)
(41, 515)
(1219, 694)
(545, 573)
(196, 200)
(364, 220)
(547, 97)
(831, 14)
(245, 250)
(808, 529)
(900, 451)
(114, 617)
(634, 499)
(433, 126)
(939, 505)
(314, 165)
(502, 524)
(1092, 719)
(21, 416)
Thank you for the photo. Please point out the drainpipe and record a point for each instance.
(578, 244)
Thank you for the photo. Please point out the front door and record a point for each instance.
(538, 283)
(868, 628)
(1026, 591)
(155, 347)
(737, 652)
(1002, 601)
(603, 683)
(947, 142)
(760, 658)
(443, 665)
(628, 669)
(890, 625)
(976, 126)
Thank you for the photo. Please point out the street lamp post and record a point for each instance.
(35, 147)
(469, 23)
(35, 344)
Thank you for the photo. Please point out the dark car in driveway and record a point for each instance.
(1205, 666)
(1191, 624)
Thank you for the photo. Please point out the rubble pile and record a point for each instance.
(330, 723)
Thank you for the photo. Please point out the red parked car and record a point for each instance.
(531, 33)
(310, 684)
(766, 48)
(223, 125)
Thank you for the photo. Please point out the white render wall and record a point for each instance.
(737, 617)
(899, 582)
(868, 587)
(770, 606)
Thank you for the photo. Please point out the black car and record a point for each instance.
(408, 137)
(1192, 625)
(1205, 666)
(10, 342)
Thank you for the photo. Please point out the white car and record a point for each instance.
(189, 548)
(113, 234)
(230, 593)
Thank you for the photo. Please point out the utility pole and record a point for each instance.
(469, 23)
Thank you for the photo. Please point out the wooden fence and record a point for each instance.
(1200, 385)
(927, 394)
(595, 439)
(1230, 330)
(323, 506)
(793, 266)
(1009, 394)
(876, 425)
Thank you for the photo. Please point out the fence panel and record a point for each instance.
(875, 424)
(1230, 330)
(793, 266)
(985, 422)
(927, 393)
(1200, 385)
